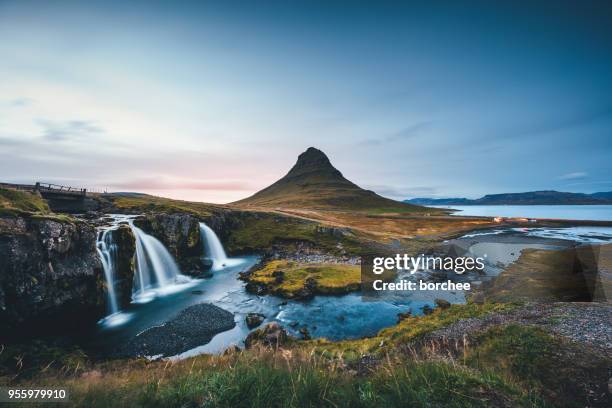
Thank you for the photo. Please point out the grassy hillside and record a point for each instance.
(15, 201)
(146, 203)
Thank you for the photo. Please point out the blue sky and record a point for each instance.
(212, 101)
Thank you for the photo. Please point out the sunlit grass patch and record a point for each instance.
(287, 278)
(15, 202)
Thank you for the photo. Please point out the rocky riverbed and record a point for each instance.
(194, 326)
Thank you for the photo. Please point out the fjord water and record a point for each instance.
(561, 212)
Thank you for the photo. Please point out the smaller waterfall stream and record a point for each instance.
(213, 249)
(107, 250)
(155, 267)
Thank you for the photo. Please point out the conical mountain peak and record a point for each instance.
(313, 182)
(311, 156)
(314, 163)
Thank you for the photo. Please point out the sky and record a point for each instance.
(212, 101)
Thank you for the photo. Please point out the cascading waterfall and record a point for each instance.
(107, 250)
(155, 267)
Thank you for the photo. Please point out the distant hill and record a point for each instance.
(129, 194)
(549, 197)
(313, 183)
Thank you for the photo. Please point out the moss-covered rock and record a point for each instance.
(297, 280)
(125, 263)
(272, 335)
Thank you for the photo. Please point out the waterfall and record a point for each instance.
(212, 246)
(155, 271)
(155, 267)
(107, 250)
(213, 249)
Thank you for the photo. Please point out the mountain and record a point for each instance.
(439, 201)
(604, 195)
(549, 197)
(313, 183)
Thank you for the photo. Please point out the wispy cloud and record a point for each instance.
(402, 193)
(180, 184)
(69, 130)
(577, 175)
(575, 119)
(408, 132)
(19, 102)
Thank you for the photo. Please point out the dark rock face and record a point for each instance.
(180, 233)
(125, 264)
(50, 274)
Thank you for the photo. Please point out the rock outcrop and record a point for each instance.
(50, 274)
(254, 319)
(125, 264)
(271, 335)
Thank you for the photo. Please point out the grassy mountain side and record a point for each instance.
(314, 183)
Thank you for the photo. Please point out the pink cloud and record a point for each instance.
(165, 184)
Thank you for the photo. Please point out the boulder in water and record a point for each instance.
(254, 319)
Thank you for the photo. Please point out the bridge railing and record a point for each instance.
(56, 188)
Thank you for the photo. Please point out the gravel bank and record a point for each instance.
(589, 324)
(192, 327)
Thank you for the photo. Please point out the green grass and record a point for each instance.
(407, 330)
(330, 278)
(259, 231)
(292, 379)
(560, 370)
(18, 202)
(506, 366)
(147, 203)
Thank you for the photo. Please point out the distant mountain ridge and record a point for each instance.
(547, 197)
(314, 183)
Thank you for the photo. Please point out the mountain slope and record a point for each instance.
(313, 183)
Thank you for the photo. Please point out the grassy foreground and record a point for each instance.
(509, 366)
(292, 379)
